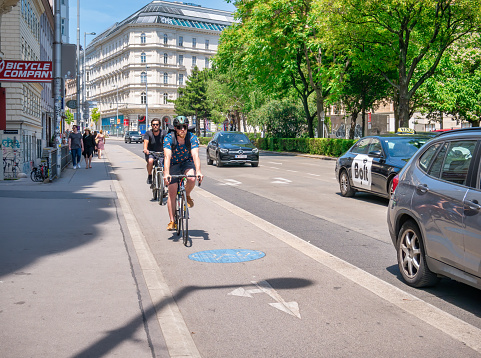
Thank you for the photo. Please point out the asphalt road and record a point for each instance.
(300, 196)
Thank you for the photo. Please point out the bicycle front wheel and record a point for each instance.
(154, 186)
(185, 219)
(178, 214)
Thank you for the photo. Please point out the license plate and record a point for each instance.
(238, 156)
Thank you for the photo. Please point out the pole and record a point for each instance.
(146, 100)
(57, 83)
(79, 121)
(117, 105)
(84, 81)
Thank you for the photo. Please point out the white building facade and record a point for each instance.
(135, 68)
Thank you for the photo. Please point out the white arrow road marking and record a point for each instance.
(231, 182)
(281, 181)
(291, 308)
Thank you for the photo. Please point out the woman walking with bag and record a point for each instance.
(100, 143)
(89, 146)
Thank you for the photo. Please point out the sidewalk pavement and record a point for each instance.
(68, 283)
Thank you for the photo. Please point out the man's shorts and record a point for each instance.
(150, 155)
(180, 168)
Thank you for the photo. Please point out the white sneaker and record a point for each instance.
(75, 167)
(78, 166)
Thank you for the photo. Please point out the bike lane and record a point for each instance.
(288, 299)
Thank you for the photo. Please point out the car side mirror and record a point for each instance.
(375, 154)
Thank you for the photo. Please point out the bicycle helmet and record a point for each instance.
(179, 120)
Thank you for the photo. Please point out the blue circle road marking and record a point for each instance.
(226, 256)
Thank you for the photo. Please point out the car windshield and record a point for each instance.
(233, 138)
(404, 147)
(134, 133)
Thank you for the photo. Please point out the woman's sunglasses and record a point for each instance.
(183, 126)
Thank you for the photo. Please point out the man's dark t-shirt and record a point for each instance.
(156, 142)
(75, 140)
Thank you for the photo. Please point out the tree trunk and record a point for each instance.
(353, 124)
(244, 121)
(321, 116)
(441, 121)
(363, 116)
(403, 107)
(305, 104)
(197, 125)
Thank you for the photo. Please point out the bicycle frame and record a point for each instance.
(181, 216)
(158, 178)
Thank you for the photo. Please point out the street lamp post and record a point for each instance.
(79, 121)
(84, 92)
(117, 115)
(146, 99)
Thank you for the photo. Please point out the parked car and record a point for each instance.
(372, 162)
(434, 215)
(231, 148)
(133, 136)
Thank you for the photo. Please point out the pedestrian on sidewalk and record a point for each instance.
(95, 138)
(100, 143)
(89, 145)
(76, 146)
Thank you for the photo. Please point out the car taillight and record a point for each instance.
(395, 182)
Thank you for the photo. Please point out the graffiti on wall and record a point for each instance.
(11, 155)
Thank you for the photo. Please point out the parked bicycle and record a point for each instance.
(41, 173)
(181, 216)
(158, 186)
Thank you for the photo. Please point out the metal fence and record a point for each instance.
(66, 157)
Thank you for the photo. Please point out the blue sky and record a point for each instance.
(99, 15)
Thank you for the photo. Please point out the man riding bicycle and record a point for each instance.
(153, 142)
(181, 150)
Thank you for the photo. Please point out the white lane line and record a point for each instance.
(275, 163)
(270, 167)
(231, 182)
(292, 171)
(176, 334)
(281, 181)
(445, 322)
(314, 175)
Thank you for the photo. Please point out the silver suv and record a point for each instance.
(434, 215)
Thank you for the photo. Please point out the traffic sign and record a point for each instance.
(72, 104)
(85, 116)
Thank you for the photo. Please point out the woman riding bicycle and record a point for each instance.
(181, 156)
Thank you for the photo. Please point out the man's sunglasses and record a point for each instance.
(183, 126)
(155, 124)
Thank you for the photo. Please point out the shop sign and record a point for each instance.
(25, 71)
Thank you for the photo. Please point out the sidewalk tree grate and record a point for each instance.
(226, 256)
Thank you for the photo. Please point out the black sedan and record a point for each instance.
(133, 136)
(372, 163)
(231, 148)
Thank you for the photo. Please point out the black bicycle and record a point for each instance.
(40, 174)
(181, 216)
(158, 186)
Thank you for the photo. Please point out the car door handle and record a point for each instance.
(473, 205)
(422, 188)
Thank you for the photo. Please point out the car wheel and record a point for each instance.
(218, 162)
(390, 191)
(209, 160)
(345, 185)
(411, 257)
(130, 141)
(255, 164)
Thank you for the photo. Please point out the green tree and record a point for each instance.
(407, 38)
(95, 115)
(192, 98)
(69, 117)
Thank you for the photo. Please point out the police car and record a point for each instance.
(372, 162)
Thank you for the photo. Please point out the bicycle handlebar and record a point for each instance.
(180, 176)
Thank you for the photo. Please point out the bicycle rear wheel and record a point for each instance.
(160, 178)
(185, 218)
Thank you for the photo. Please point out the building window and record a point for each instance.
(206, 44)
(143, 98)
(166, 78)
(166, 38)
(166, 57)
(143, 58)
(181, 79)
(143, 77)
(63, 27)
(194, 42)
(166, 96)
(181, 60)
(206, 62)
(142, 38)
(181, 41)
(194, 60)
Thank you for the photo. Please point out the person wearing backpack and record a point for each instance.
(153, 142)
(181, 151)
